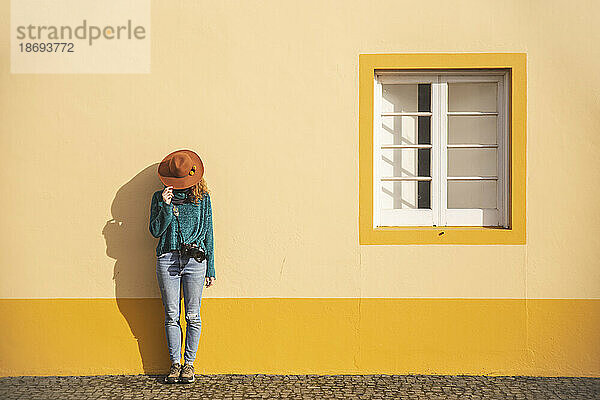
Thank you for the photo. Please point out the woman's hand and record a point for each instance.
(167, 194)
(209, 280)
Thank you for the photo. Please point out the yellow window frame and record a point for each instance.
(516, 233)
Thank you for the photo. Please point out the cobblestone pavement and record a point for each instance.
(300, 387)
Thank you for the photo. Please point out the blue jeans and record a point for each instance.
(173, 272)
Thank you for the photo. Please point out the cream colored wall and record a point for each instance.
(267, 94)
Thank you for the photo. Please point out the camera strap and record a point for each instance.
(181, 242)
(176, 213)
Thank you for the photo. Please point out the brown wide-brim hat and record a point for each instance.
(181, 169)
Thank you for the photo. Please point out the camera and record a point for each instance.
(193, 251)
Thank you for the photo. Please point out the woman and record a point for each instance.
(182, 212)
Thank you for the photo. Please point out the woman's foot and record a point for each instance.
(187, 373)
(174, 373)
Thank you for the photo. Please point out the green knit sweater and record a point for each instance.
(196, 225)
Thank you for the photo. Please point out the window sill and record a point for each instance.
(458, 235)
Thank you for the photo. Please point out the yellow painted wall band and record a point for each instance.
(297, 336)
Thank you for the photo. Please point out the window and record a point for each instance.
(440, 147)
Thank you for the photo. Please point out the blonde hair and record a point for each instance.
(196, 192)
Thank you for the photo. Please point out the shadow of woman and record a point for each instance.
(129, 242)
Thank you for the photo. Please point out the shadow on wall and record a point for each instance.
(129, 242)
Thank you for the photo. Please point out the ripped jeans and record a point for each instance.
(174, 272)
